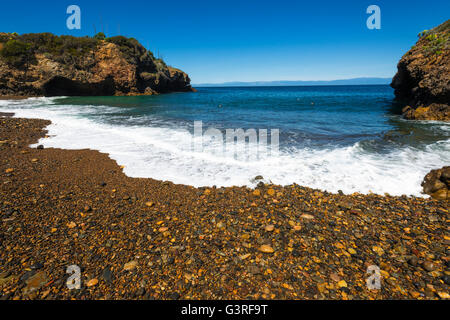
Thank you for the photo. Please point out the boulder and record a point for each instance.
(437, 184)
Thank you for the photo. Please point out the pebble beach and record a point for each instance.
(148, 239)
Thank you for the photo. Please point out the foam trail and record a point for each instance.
(165, 154)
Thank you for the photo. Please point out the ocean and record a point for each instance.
(348, 138)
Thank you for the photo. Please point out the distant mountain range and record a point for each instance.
(355, 81)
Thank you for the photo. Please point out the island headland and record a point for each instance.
(43, 64)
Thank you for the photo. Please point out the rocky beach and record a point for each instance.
(147, 239)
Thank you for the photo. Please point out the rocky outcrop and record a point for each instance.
(437, 184)
(423, 79)
(48, 65)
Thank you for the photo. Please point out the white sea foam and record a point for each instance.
(165, 154)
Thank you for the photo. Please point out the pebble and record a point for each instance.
(335, 277)
(130, 265)
(215, 262)
(414, 261)
(35, 282)
(92, 283)
(443, 295)
(71, 225)
(429, 266)
(266, 249)
(107, 275)
(378, 250)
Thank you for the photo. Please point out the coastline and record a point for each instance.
(148, 239)
(15, 97)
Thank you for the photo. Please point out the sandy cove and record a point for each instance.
(147, 239)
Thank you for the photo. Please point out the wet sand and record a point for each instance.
(148, 239)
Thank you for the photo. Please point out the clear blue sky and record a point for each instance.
(248, 40)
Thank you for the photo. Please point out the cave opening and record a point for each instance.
(61, 86)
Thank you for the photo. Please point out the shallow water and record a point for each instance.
(333, 137)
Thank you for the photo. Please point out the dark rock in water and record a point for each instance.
(258, 178)
(423, 76)
(40, 147)
(436, 184)
(445, 175)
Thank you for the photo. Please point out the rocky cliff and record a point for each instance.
(48, 65)
(423, 79)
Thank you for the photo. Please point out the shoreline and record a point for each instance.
(17, 97)
(147, 239)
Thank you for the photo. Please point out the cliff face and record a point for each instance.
(423, 78)
(48, 65)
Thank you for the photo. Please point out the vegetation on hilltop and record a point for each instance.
(435, 41)
(16, 49)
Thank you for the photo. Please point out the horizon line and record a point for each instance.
(262, 82)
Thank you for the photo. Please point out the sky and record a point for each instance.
(247, 40)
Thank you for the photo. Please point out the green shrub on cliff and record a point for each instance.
(443, 27)
(100, 36)
(59, 48)
(129, 47)
(16, 53)
(74, 50)
(435, 41)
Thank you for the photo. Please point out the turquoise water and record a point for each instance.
(348, 138)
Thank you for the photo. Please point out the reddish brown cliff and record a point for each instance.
(48, 65)
(423, 79)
